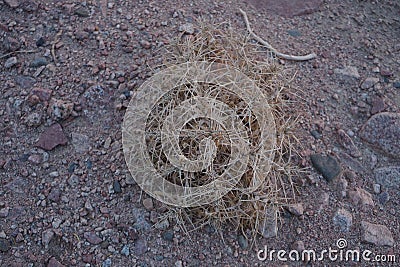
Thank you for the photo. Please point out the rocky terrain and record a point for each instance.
(68, 70)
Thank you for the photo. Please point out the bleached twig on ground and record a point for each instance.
(266, 44)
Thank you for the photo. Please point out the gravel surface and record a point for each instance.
(69, 70)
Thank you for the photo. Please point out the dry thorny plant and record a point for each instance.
(249, 212)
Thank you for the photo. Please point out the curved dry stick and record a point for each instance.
(265, 43)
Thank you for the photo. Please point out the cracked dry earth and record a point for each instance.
(68, 70)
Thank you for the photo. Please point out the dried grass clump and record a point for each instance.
(253, 200)
(249, 212)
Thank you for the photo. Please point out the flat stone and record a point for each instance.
(10, 62)
(268, 227)
(52, 137)
(12, 3)
(382, 131)
(369, 82)
(343, 219)
(360, 196)
(376, 234)
(348, 71)
(389, 177)
(92, 238)
(287, 8)
(80, 142)
(328, 166)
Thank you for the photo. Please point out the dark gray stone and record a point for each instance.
(328, 166)
(117, 187)
(242, 241)
(39, 61)
(82, 12)
(168, 236)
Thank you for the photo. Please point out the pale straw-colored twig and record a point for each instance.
(273, 50)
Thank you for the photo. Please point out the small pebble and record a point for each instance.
(168, 236)
(377, 188)
(10, 62)
(243, 243)
(39, 61)
(117, 187)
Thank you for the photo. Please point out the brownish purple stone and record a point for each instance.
(52, 137)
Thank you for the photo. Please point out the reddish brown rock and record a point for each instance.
(360, 196)
(92, 238)
(376, 234)
(52, 137)
(287, 8)
(42, 93)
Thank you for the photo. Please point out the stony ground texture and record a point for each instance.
(68, 70)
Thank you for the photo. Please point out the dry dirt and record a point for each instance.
(69, 69)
